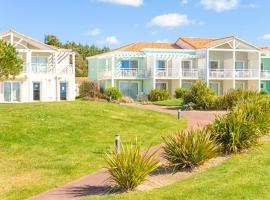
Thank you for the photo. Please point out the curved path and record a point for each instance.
(95, 183)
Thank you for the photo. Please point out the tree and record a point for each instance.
(10, 64)
(82, 52)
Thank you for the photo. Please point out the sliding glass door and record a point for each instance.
(129, 89)
(12, 91)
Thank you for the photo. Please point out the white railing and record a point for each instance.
(192, 74)
(265, 74)
(221, 73)
(247, 73)
(40, 68)
(130, 73)
(167, 73)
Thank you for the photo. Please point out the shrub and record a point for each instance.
(200, 95)
(181, 92)
(89, 89)
(190, 149)
(130, 168)
(264, 92)
(127, 100)
(113, 93)
(158, 95)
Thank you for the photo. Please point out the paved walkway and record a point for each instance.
(95, 184)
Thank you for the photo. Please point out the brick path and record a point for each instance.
(95, 183)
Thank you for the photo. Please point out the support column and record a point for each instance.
(154, 72)
(28, 64)
(259, 70)
(73, 62)
(113, 70)
(207, 67)
(180, 73)
(234, 59)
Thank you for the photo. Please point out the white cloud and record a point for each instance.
(220, 5)
(170, 20)
(135, 3)
(93, 32)
(184, 2)
(265, 37)
(112, 40)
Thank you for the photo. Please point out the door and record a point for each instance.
(215, 87)
(63, 91)
(36, 91)
(12, 91)
(129, 89)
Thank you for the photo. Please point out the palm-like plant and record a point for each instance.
(131, 167)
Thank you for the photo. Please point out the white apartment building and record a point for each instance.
(48, 72)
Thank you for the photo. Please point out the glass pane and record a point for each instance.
(134, 64)
(7, 91)
(186, 65)
(240, 85)
(186, 85)
(215, 87)
(239, 65)
(161, 86)
(16, 91)
(129, 89)
(214, 65)
(63, 91)
(125, 64)
(161, 64)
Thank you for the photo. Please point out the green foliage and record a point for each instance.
(241, 128)
(89, 89)
(180, 92)
(158, 95)
(10, 64)
(200, 95)
(82, 52)
(264, 92)
(188, 149)
(130, 168)
(113, 93)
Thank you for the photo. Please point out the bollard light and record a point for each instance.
(117, 144)
(179, 114)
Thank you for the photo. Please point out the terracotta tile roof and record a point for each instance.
(264, 48)
(138, 46)
(200, 43)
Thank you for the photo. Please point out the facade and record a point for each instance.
(48, 72)
(224, 64)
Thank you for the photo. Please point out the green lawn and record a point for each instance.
(170, 102)
(245, 176)
(43, 145)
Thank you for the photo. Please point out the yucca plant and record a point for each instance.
(131, 167)
(188, 149)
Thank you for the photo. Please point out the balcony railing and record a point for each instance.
(130, 73)
(190, 74)
(265, 74)
(247, 73)
(167, 73)
(221, 73)
(40, 68)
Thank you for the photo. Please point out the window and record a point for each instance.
(263, 85)
(214, 65)
(216, 87)
(239, 85)
(262, 66)
(161, 85)
(12, 91)
(186, 65)
(239, 65)
(39, 60)
(129, 64)
(161, 64)
(186, 85)
(129, 89)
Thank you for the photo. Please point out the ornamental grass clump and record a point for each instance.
(189, 149)
(131, 167)
(241, 128)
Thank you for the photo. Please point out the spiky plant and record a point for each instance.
(131, 167)
(188, 149)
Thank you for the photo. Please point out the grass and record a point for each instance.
(170, 102)
(243, 176)
(44, 145)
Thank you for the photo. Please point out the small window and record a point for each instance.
(161, 64)
(161, 85)
(39, 60)
(186, 85)
(134, 64)
(214, 65)
(240, 85)
(129, 64)
(239, 65)
(125, 64)
(186, 65)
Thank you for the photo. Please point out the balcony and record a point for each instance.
(190, 74)
(247, 73)
(42, 68)
(167, 73)
(132, 73)
(265, 74)
(221, 73)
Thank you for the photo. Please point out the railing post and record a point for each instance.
(117, 144)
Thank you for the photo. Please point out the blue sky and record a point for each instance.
(118, 22)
